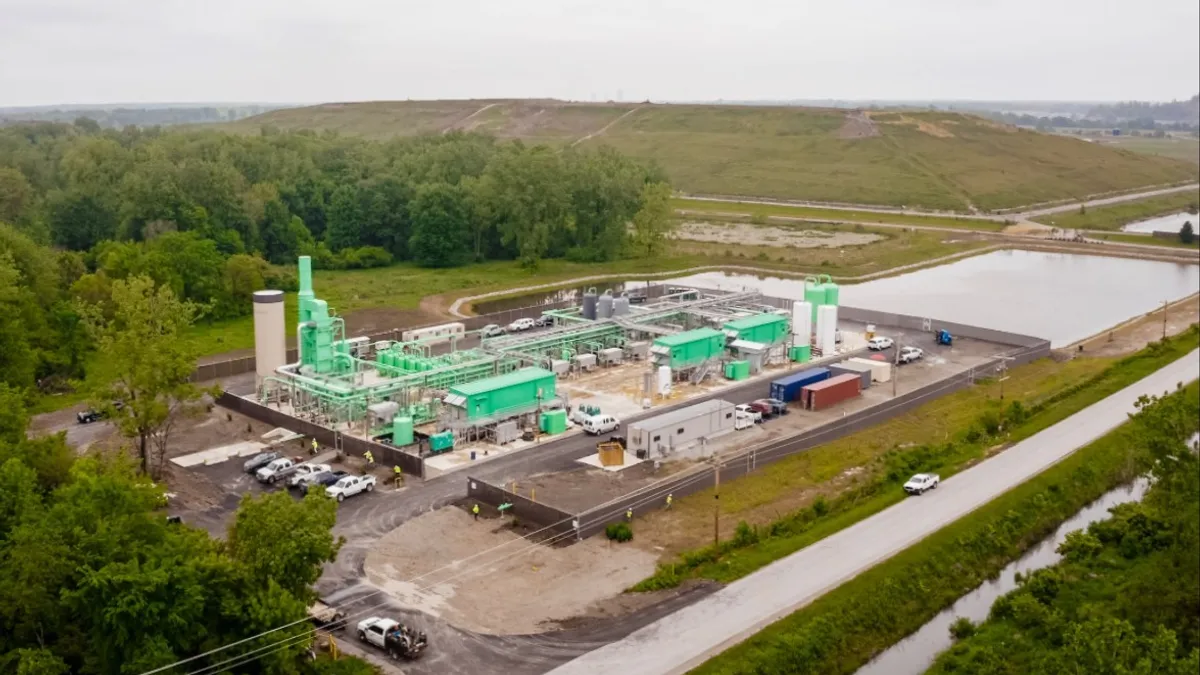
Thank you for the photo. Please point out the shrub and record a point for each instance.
(962, 628)
(744, 535)
(364, 257)
(619, 532)
(820, 507)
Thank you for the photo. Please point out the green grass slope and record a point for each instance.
(920, 159)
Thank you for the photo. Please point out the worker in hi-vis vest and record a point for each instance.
(475, 511)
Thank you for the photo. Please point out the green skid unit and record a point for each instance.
(800, 353)
(737, 370)
(554, 422)
(443, 442)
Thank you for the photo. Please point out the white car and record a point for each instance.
(922, 482)
(350, 486)
(910, 354)
(601, 424)
(491, 330)
(306, 472)
(521, 325)
(747, 411)
(879, 343)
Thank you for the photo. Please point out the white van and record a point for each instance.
(601, 424)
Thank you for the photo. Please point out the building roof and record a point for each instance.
(683, 414)
(755, 320)
(501, 381)
(688, 337)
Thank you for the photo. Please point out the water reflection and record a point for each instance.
(1168, 223)
(915, 653)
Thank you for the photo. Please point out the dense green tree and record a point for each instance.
(150, 364)
(1187, 233)
(345, 219)
(283, 542)
(440, 217)
(16, 195)
(653, 223)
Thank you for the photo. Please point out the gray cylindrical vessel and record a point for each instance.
(620, 306)
(604, 306)
(589, 303)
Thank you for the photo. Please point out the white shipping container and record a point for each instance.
(881, 371)
(675, 430)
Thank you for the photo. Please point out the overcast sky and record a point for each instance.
(103, 51)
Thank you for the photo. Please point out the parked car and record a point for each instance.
(745, 409)
(276, 469)
(326, 616)
(348, 486)
(521, 324)
(491, 330)
(601, 424)
(544, 321)
(765, 409)
(259, 461)
(910, 354)
(322, 480)
(879, 343)
(306, 472)
(88, 416)
(922, 482)
(780, 407)
(398, 640)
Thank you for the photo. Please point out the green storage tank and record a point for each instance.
(800, 353)
(690, 348)
(442, 442)
(831, 290)
(402, 431)
(554, 421)
(737, 370)
(814, 294)
(768, 328)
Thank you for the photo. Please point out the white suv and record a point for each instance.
(747, 411)
(880, 343)
(910, 354)
(521, 325)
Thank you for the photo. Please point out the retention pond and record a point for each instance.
(914, 654)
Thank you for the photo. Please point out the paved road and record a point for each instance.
(685, 639)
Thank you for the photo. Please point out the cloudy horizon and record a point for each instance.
(72, 52)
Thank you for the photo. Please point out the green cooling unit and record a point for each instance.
(690, 348)
(769, 329)
(510, 394)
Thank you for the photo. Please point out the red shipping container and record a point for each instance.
(828, 392)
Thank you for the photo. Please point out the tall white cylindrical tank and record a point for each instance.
(827, 328)
(270, 338)
(801, 323)
(664, 380)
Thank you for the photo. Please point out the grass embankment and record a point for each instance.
(1145, 240)
(1115, 216)
(761, 211)
(811, 498)
(1184, 148)
(843, 629)
(935, 160)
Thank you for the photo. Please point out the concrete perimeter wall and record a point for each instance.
(554, 522)
(385, 455)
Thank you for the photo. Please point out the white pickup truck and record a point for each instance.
(350, 486)
(306, 472)
(922, 482)
(398, 640)
(276, 469)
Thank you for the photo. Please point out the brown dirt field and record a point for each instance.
(858, 125)
(447, 564)
(1134, 335)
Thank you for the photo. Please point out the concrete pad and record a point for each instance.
(281, 435)
(594, 460)
(220, 453)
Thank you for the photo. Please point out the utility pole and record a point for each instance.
(1002, 373)
(896, 363)
(1164, 335)
(717, 504)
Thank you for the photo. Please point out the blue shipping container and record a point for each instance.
(788, 388)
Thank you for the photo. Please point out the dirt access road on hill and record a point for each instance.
(685, 639)
(1015, 216)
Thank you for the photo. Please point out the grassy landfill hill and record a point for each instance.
(921, 159)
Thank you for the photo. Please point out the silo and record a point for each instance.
(621, 305)
(831, 290)
(801, 323)
(270, 341)
(664, 380)
(604, 306)
(589, 303)
(814, 295)
(827, 328)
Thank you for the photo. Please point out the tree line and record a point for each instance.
(214, 217)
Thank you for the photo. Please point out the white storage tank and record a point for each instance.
(664, 380)
(801, 323)
(270, 338)
(621, 305)
(826, 328)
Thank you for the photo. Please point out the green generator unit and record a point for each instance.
(402, 431)
(690, 348)
(554, 421)
(737, 370)
(442, 442)
(800, 353)
(768, 328)
(501, 396)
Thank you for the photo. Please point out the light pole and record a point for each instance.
(1164, 335)
(896, 363)
(1002, 372)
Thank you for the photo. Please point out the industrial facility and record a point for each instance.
(449, 386)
